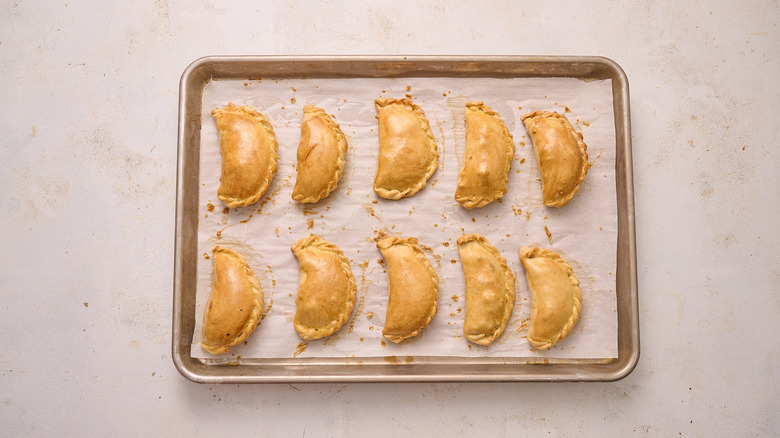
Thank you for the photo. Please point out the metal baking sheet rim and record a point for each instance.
(396, 369)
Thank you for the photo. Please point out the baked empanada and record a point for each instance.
(248, 146)
(561, 154)
(321, 153)
(556, 299)
(487, 159)
(235, 302)
(326, 288)
(407, 150)
(490, 289)
(413, 288)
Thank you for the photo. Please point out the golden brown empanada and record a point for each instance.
(248, 147)
(326, 288)
(561, 154)
(413, 288)
(556, 299)
(235, 303)
(490, 289)
(321, 153)
(407, 150)
(487, 159)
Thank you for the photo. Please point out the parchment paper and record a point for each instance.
(584, 232)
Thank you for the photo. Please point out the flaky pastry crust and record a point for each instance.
(321, 156)
(247, 144)
(326, 288)
(490, 289)
(556, 299)
(487, 159)
(407, 155)
(560, 153)
(413, 288)
(235, 302)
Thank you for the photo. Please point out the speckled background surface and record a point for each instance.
(88, 156)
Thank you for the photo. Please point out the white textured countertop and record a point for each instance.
(88, 157)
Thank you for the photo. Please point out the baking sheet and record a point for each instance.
(584, 232)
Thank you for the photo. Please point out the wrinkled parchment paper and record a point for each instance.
(584, 232)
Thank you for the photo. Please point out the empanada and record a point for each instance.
(556, 299)
(407, 151)
(561, 154)
(321, 153)
(326, 288)
(487, 159)
(490, 289)
(413, 288)
(248, 146)
(235, 303)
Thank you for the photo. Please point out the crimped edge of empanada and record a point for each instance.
(251, 112)
(563, 200)
(257, 308)
(342, 145)
(412, 243)
(535, 252)
(469, 202)
(509, 290)
(394, 194)
(310, 333)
